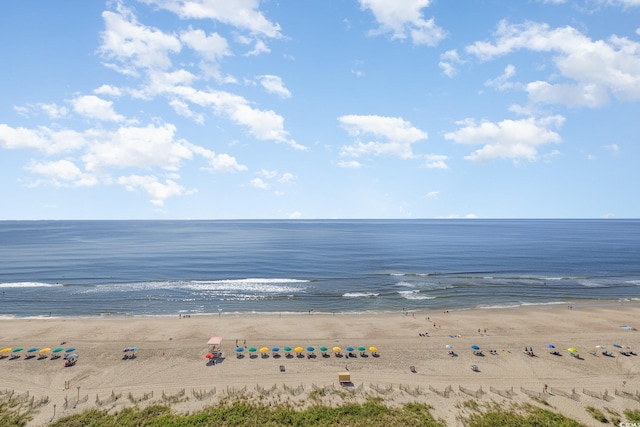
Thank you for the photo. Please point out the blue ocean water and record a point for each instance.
(80, 268)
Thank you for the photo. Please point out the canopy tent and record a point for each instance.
(214, 344)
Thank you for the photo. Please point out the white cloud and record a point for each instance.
(259, 183)
(54, 111)
(62, 173)
(397, 134)
(436, 161)
(448, 62)
(139, 147)
(135, 45)
(243, 14)
(159, 191)
(92, 107)
(508, 139)
(211, 47)
(182, 108)
(593, 70)
(273, 84)
(108, 90)
(349, 164)
(502, 82)
(295, 215)
(43, 139)
(404, 19)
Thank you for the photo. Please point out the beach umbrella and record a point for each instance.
(572, 350)
(373, 349)
(45, 350)
(33, 350)
(275, 349)
(311, 348)
(57, 350)
(601, 347)
(337, 349)
(70, 350)
(349, 348)
(15, 350)
(475, 347)
(448, 346)
(617, 346)
(361, 348)
(287, 349)
(551, 346)
(298, 349)
(5, 350)
(323, 349)
(70, 356)
(252, 349)
(209, 356)
(264, 350)
(239, 349)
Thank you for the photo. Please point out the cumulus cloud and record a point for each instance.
(243, 14)
(509, 139)
(436, 161)
(404, 19)
(273, 84)
(92, 107)
(349, 164)
(392, 136)
(158, 191)
(61, 173)
(593, 71)
(449, 62)
(259, 183)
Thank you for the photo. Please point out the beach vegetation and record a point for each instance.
(13, 412)
(523, 415)
(597, 414)
(633, 416)
(370, 413)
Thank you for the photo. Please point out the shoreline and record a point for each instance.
(582, 303)
(171, 358)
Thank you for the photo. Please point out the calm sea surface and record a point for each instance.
(80, 268)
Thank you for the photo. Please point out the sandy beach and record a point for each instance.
(170, 364)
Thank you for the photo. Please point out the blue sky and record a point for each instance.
(211, 109)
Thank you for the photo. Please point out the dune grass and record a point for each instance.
(13, 413)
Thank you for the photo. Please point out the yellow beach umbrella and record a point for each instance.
(264, 350)
(572, 350)
(6, 350)
(298, 349)
(373, 349)
(337, 349)
(45, 350)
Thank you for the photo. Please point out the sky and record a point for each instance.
(339, 109)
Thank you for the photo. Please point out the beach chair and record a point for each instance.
(412, 369)
(282, 368)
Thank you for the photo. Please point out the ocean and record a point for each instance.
(166, 268)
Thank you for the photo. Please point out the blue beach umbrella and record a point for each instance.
(33, 350)
(349, 349)
(475, 347)
(275, 349)
(70, 356)
(70, 350)
(239, 349)
(311, 348)
(551, 346)
(617, 346)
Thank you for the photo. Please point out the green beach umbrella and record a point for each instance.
(57, 350)
(15, 350)
(323, 348)
(253, 349)
(287, 348)
(361, 348)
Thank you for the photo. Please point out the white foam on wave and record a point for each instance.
(405, 284)
(360, 295)
(230, 286)
(414, 295)
(27, 285)
(591, 284)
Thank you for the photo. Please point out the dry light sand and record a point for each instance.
(171, 358)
